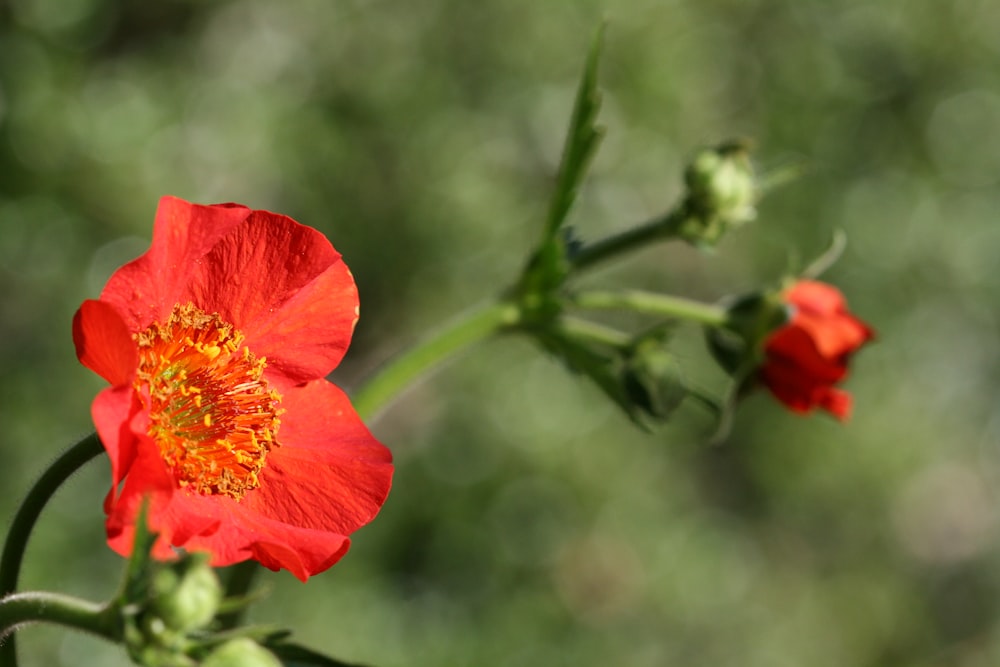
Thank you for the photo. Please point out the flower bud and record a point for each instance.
(797, 342)
(652, 379)
(241, 652)
(186, 594)
(722, 192)
(806, 359)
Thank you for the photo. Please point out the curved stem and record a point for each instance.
(31, 507)
(652, 303)
(400, 371)
(19, 608)
(23, 523)
(659, 229)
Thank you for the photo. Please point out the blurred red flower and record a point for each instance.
(809, 354)
(216, 343)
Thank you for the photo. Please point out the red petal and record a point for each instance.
(796, 390)
(225, 529)
(837, 402)
(149, 478)
(340, 473)
(816, 297)
(113, 411)
(796, 349)
(324, 552)
(284, 286)
(146, 289)
(801, 395)
(103, 342)
(834, 336)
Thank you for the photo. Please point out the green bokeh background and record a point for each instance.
(530, 523)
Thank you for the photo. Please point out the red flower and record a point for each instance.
(216, 343)
(807, 356)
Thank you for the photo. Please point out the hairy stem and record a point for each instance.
(31, 507)
(20, 608)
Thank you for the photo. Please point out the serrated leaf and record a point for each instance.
(293, 655)
(581, 141)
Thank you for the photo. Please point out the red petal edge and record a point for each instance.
(146, 289)
(103, 342)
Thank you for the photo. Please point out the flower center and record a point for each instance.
(211, 411)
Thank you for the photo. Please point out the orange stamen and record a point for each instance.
(211, 411)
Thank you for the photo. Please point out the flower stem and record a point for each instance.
(31, 507)
(19, 608)
(659, 229)
(594, 332)
(239, 579)
(388, 381)
(20, 530)
(655, 304)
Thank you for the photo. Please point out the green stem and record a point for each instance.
(238, 582)
(20, 608)
(31, 507)
(594, 332)
(655, 304)
(659, 229)
(399, 372)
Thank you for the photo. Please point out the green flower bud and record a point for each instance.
(722, 192)
(241, 652)
(652, 379)
(186, 594)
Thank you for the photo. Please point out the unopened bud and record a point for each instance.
(241, 652)
(722, 192)
(186, 594)
(653, 381)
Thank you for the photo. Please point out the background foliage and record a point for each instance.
(530, 523)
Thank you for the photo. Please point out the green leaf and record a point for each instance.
(549, 264)
(642, 377)
(602, 369)
(293, 655)
(581, 141)
(140, 562)
(546, 271)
